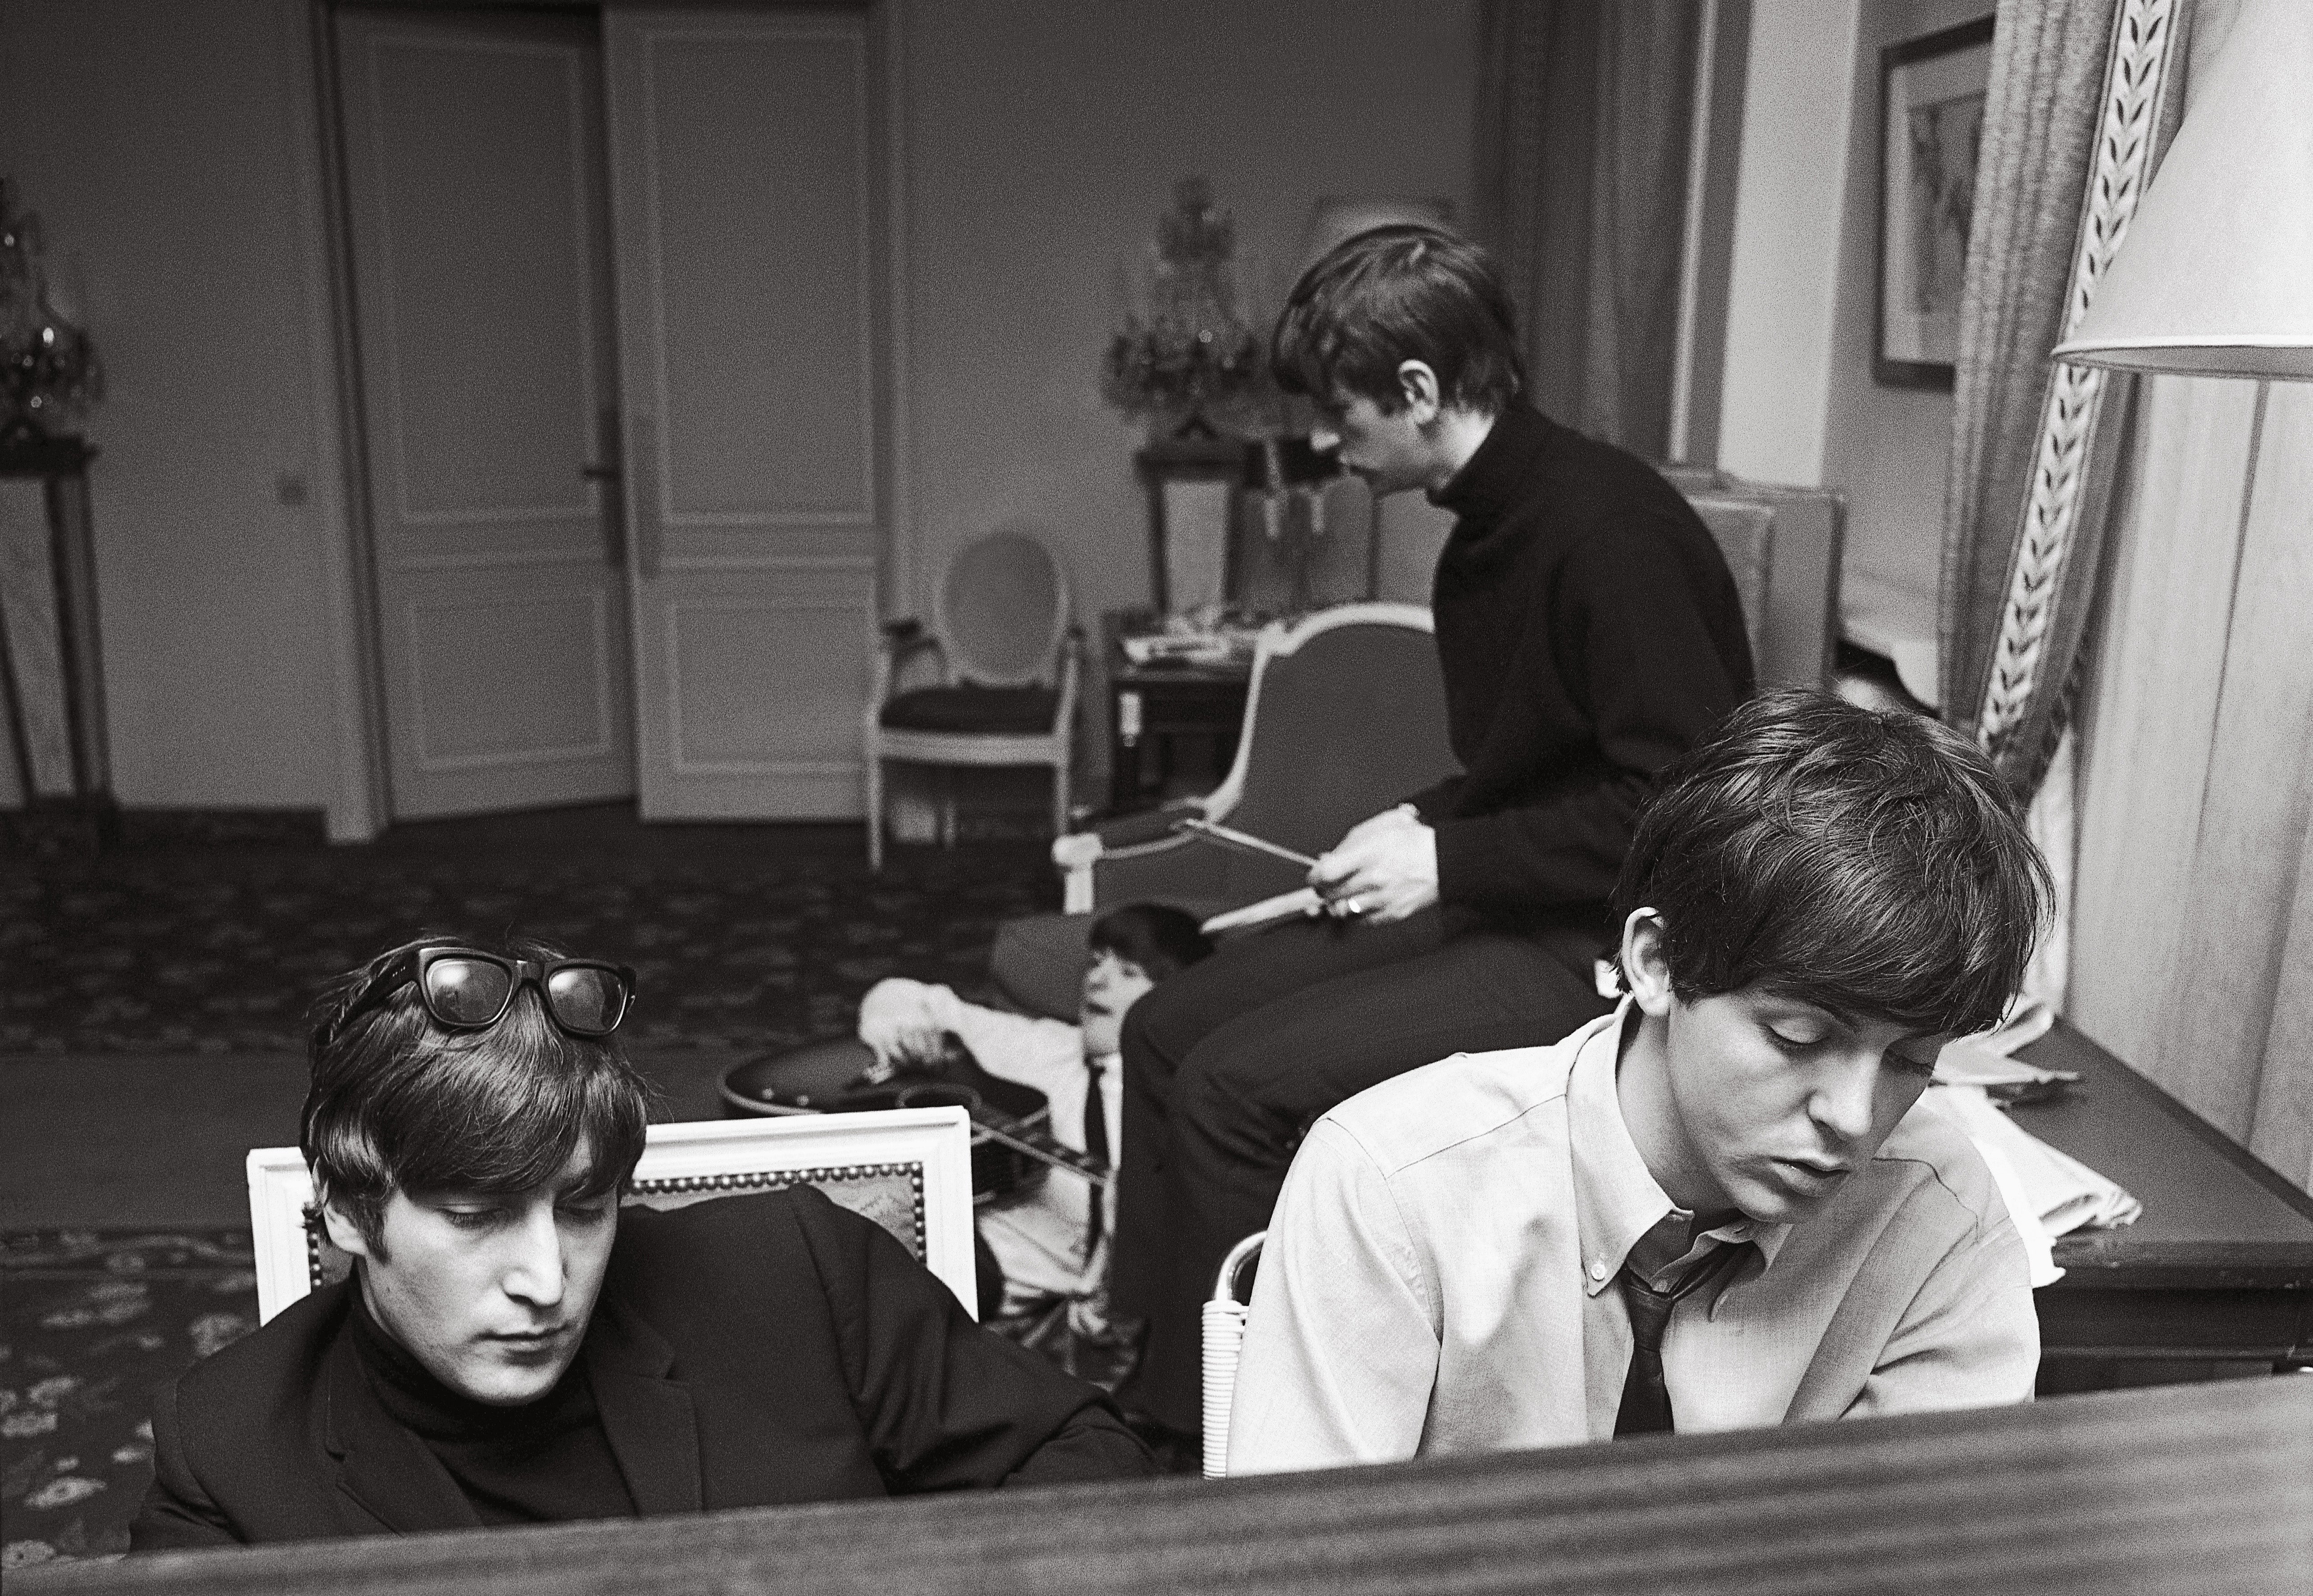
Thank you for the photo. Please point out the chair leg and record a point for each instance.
(947, 808)
(1059, 800)
(874, 816)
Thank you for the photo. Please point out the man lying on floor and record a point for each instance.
(1051, 1241)
(1716, 1206)
(511, 1348)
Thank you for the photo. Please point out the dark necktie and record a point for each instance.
(1095, 1146)
(1646, 1399)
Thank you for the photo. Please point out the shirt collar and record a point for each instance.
(1617, 1199)
(1493, 478)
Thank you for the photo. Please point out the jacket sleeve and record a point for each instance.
(1632, 642)
(945, 1403)
(177, 1514)
(1438, 800)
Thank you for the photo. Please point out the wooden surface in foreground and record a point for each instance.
(2203, 1489)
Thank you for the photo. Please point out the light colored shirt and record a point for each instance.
(1038, 1237)
(1439, 1277)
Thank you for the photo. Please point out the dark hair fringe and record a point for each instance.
(1394, 294)
(1158, 937)
(1873, 863)
(400, 1104)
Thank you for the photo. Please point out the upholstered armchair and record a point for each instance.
(1004, 661)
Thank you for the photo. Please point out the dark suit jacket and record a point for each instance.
(744, 1352)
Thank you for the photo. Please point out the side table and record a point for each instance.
(51, 664)
(1150, 706)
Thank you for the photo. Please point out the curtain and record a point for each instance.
(1584, 113)
(2080, 100)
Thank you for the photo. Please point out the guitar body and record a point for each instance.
(830, 1078)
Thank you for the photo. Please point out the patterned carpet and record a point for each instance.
(743, 937)
(740, 936)
(90, 1327)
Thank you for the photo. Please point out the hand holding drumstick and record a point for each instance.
(1382, 871)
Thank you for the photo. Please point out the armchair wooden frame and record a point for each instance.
(1078, 855)
(908, 1168)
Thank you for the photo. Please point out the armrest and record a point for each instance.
(904, 634)
(898, 641)
(1139, 856)
(1149, 825)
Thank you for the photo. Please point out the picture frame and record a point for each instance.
(1932, 102)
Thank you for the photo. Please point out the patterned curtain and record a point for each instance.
(2080, 102)
(1584, 113)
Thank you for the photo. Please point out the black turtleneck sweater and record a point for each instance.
(1589, 633)
(546, 1463)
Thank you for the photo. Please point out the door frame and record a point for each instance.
(358, 806)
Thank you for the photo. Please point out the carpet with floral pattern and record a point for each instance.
(91, 1325)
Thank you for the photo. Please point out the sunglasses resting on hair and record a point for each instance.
(467, 989)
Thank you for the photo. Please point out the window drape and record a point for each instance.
(2080, 100)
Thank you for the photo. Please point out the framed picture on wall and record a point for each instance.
(1931, 94)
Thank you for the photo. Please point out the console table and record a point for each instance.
(1150, 706)
(2219, 1271)
(51, 662)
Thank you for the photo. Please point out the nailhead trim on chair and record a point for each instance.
(770, 1179)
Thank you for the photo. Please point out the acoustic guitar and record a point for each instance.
(1013, 1147)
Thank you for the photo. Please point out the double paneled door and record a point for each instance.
(619, 294)
(481, 274)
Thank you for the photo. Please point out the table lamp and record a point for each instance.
(2215, 277)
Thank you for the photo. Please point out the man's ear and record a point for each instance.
(1417, 385)
(344, 1234)
(1645, 971)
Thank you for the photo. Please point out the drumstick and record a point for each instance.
(1247, 841)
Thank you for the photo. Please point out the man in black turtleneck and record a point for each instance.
(512, 1349)
(1588, 633)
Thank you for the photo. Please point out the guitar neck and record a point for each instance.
(1042, 1146)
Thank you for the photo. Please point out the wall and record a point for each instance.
(158, 138)
(1787, 239)
(1888, 449)
(2193, 916)
(154, 138)
(2193, 904)
(1045, 138)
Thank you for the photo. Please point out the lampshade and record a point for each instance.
(2215, 277)
(1340, 217)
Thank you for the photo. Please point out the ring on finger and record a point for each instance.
(1355, 906)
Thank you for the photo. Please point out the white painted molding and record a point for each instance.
(354, 810)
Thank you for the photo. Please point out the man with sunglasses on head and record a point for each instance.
(510, 1348)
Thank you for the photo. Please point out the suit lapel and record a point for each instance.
(383, 1470)
(647, 1418)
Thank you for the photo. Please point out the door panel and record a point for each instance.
(474, 184)
(478, 700)
(748, 262)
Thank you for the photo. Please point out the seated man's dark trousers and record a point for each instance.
(1229, 1063)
